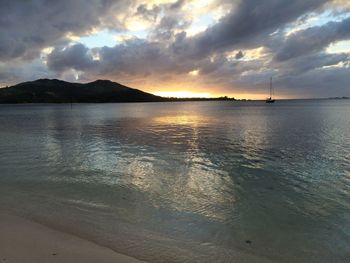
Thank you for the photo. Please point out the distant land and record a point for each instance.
(99, 91)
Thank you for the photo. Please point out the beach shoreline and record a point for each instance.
(22, 240)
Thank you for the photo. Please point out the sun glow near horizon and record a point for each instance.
(174, 91)
(193, 94)
(183, 94)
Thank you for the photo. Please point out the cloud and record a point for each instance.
(28, 26)
(248, 21)
(310, 62)
(148, 13)
(320, 82)
(76, 57)
(239, 55)
(17, 71)
(241, 45)
(313, 39)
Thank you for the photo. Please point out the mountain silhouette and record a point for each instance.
(99, 91)
(58, 91)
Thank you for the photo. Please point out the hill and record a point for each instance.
(58, 91)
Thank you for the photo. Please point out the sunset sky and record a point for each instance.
(182, 48)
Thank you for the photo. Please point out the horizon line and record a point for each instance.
(224, 97)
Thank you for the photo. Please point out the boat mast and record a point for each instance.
(270, 87)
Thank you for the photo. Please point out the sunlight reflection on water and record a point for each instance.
(186, 181)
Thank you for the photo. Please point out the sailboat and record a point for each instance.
(270, 99)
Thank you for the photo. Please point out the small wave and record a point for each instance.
(86, 203)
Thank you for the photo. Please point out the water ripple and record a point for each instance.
(186, 182)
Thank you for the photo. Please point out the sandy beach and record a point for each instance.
(22, 240)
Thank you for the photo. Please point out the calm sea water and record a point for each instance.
(186, 182)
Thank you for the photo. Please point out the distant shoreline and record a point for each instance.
(99, 91)
(170, 100)
(98, 102)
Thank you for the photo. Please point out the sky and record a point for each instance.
(203, 48)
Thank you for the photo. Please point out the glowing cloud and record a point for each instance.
(194, 72)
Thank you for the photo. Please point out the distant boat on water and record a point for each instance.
(270, 99)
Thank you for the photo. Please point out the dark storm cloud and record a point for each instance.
(139, 57)
(248, 21)
(320, 82)
(77, 57)
(19, 71)
(310, 62)
(135, 57)
(313, 39)
(28, 26)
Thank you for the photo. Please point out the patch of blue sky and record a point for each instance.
(142, 34)
(329, 16)
(314, 20)
(339, 47)
(99, 39)
(326, 17)
(206, 19)
(201, 24)
(107, 38)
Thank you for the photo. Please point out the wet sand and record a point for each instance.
(22, 240)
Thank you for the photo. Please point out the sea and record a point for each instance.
(214, 181)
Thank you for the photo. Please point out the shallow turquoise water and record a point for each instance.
(186, 182)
